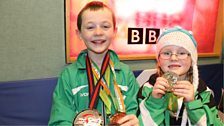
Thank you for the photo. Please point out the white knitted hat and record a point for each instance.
(183, 38)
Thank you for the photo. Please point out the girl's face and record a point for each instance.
(97, 30)
(179, 65)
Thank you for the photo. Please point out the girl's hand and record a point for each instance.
(129, 120)
(184, 89)
(160, 87)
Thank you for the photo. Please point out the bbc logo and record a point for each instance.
(139, 36)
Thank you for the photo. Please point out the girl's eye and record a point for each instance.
(167, 53)
(182, 53)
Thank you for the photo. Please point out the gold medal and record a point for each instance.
(171, 78)
(172, 99)
(89, 117)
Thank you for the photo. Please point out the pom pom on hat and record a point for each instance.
(180, 37)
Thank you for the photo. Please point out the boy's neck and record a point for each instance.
(97, 58)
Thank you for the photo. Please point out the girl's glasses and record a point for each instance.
(167, 55)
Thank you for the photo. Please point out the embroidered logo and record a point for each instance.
(77, 89)
(84, 94)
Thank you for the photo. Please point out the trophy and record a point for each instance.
(88, 117)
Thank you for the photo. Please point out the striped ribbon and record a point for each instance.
(172, 102)
(94, 89)
(105, 92)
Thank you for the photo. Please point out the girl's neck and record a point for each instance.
(183, 77)
(97, 58)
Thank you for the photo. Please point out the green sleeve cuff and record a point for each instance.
(193, 104)
(155, 102)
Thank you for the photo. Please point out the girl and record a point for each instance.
(189, 101)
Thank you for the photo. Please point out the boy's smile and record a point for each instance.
(98, 41)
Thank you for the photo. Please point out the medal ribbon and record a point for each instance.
(105, 91)
(118, 100)
(94, 89)
(117, 91)
(172, 102)
(172, 99)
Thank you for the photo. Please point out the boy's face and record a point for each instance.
(97, 30)
(174, 64)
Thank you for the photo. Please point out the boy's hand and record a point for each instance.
(129, 120)
(184, 89)
(159, 89)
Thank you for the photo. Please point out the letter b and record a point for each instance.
(135, 35)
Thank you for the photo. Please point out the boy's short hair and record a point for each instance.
(93, 6)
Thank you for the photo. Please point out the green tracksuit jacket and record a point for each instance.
(153, 112)
(71, 94)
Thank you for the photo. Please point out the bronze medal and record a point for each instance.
(114, 119)
(89, 117)
(172, 79)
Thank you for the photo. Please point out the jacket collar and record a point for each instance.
(81, 60)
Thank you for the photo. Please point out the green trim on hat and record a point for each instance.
(178, 29)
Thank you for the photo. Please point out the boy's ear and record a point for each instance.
(78, 34)
(115, 31)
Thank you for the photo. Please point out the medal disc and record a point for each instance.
(172, 99)
(89, 117)
(116, 117)
(172, 79)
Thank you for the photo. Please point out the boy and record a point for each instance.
(97, 80)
